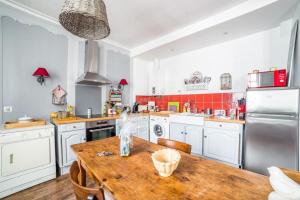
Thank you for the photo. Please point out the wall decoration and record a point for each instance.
(41, 73)
(226, 81)
(59, 96)
(197, 82)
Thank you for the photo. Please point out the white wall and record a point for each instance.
(238, 57)
(75, 65)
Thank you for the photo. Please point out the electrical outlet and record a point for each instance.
(7, 109)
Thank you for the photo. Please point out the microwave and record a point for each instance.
(265, 79)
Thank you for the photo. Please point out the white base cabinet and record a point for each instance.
(142, 124)
(27, 158)
(189, 134)
(222, 141)
(66, 136)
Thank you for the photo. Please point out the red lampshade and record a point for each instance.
(41, 72)
(123, 82)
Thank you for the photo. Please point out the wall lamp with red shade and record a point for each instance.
(41, 73)
(122, 83)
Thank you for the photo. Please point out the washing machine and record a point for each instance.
(159, 128)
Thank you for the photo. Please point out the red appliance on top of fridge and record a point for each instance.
(276, 78)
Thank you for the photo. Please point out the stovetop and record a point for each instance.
(91, 117)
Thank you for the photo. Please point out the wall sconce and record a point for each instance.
(122, 83)
(41, 73)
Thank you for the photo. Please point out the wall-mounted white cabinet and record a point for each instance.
(27, 158)
(188, 134)
(222, 141)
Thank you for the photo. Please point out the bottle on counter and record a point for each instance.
(126, 135)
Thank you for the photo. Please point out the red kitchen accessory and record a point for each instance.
(276, 78)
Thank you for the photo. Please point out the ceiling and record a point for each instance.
(162, 28)
(135, 22)
(261, 19)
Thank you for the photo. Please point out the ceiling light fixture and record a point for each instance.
(85, 18)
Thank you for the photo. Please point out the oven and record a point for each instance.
(98, 130)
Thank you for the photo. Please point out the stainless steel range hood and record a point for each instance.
(91, 74)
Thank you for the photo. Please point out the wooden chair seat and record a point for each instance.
(292, 174)
(175, 145)
(82, 192)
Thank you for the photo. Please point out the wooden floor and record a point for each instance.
(57, 189)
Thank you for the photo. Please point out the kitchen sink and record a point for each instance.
(188, 118)
(194, 114)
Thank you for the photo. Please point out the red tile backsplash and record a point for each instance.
(201, 101)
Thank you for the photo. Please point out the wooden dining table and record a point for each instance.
(135, 177)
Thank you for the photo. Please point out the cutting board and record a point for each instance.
(16, 124)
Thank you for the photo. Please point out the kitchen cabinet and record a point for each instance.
(140, 122)
(66, 136)
(27, 158)
(222, 141)
(189, 134)
(143, 127)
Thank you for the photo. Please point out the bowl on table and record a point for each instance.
(166, 161)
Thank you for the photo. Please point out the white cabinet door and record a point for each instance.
(194, 137)
(222, 145)
(177, 132)
(68, 139)
(25, 155)
(143, 128)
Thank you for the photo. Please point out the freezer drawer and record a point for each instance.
(270, 142)
(273, 101)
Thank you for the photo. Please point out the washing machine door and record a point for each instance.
(158, 130)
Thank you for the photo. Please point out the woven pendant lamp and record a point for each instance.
(85, 18)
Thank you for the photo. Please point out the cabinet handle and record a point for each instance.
(205, 136)
(11, 158)
(185, 133)
(220, 125)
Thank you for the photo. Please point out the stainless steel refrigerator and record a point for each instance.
(272, 129)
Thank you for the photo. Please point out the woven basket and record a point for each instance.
(85, 18)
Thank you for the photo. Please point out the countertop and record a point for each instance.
(4, 130)
(71, 120)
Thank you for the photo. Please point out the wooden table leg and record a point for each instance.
(82, 174)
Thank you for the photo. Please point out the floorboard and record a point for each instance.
(57, 189)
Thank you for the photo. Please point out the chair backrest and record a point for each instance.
(292, 174)
(81, 192)
(175, 145)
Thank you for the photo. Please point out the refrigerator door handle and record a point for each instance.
(272, 116)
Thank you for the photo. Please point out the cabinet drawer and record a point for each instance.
(222, 125)
(71, 127)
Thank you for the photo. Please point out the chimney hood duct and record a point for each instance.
(91, 76)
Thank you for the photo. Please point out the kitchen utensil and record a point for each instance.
(25, 119)
(89, 112)
(151, 106)
(62, 114)
(166, 161)
(135, 107)
(208, 111)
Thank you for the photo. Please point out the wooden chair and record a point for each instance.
(82, 192)
(175, 145)
(294, 175)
